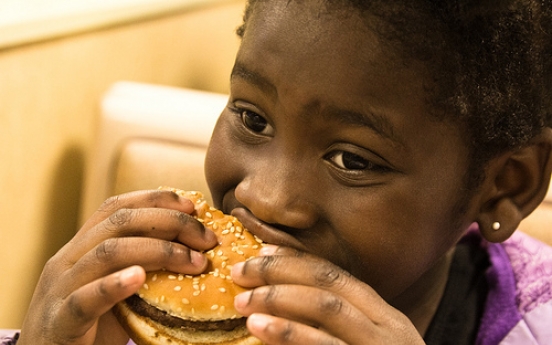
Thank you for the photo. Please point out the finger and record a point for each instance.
(164, 224)
(81, 310)
(116, 253)
(140, 199)
(293, 267)
(310, 306)
(279, 331)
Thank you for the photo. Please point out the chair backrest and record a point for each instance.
(149, 136)
(152, 135)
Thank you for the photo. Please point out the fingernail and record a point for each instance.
(237, 269)
(129, 275)
(258, 321)
(197, 258)
(242, 300)
(268, 249)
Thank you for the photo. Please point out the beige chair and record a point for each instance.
(151, 135)
(148, 136)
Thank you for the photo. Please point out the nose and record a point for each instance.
(279, 197)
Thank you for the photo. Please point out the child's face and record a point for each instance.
(326, 137)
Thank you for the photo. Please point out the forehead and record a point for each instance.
(321, 54)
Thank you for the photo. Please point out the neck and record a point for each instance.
(427, 292)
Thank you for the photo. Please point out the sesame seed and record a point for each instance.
(195, 286)
(203, 275)
(215, 274)
(189, 276)
(229, 225)
(222, 309)
(171, 277)
(163, 298)
(196, 293)
(225, 232)
(224, 257)
(239, 228)
(177, 288)
(180, 277)
(214, 307)
(154, 278)
(223, 276)
(223, 264)
(195, 279)
(215, 226)
(202, 287)
(208, 215)
(185, 301)
(255, 246)
(222, 289)
(146, 286)
(220, 252)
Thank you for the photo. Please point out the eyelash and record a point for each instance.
(365, 164)
(241, 114)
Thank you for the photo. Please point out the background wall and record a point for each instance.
(49, 94)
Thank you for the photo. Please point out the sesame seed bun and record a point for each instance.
(175, 309)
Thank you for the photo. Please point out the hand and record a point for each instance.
(301, 299)
(106, 262)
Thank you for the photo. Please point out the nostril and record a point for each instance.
(285, 210)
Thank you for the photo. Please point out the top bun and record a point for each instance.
(209, 296)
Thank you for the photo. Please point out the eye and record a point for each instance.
(349, 161)
(253, 121)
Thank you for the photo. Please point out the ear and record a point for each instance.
(515, 184)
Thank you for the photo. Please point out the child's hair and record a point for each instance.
(491, 63)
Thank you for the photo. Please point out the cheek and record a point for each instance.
(221, 163)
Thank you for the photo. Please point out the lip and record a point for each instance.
(265, 232)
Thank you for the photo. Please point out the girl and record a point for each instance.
(386, 149)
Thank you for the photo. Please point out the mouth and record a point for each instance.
(268, 233)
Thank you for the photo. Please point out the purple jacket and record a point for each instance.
(518, 310)
(519, 304)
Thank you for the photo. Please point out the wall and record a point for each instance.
(49, 94)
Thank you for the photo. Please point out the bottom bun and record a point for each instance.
(145, 331)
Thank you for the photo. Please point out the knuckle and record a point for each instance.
(75, 308)
(107, 250)
(154, 196)
(329, 276)
(111, 203)
(287, 333)
(271, 297)
(184, 218)
(167, 248)
(330, 304)
(121, 217)
(266, 263)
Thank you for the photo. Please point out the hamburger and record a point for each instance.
(178, 309)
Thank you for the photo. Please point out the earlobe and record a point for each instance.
(515, 185)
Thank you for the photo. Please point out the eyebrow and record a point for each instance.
(379, 124)
(239, 70)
